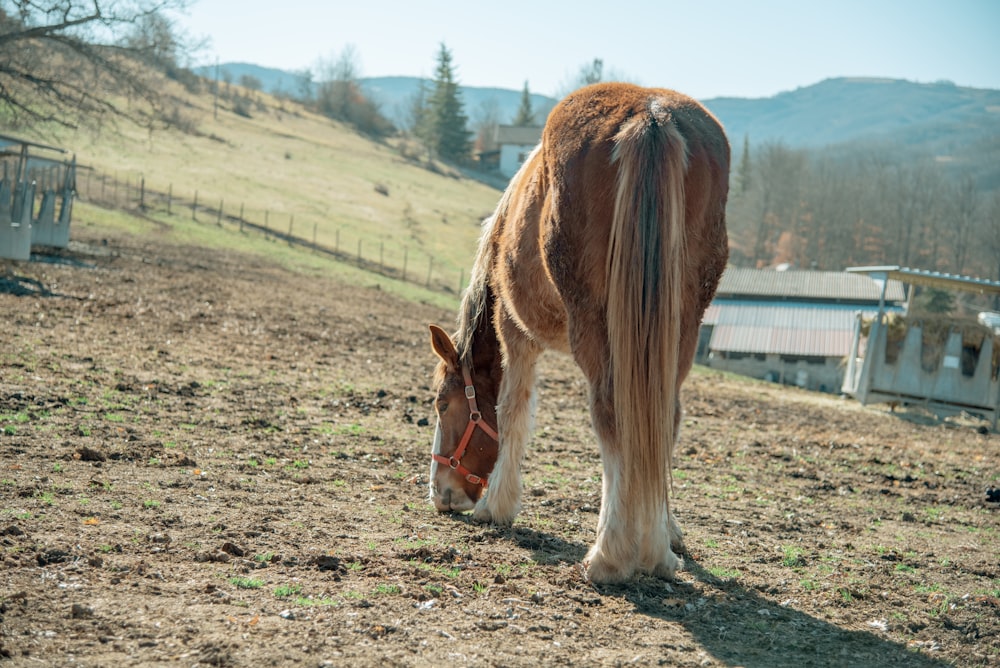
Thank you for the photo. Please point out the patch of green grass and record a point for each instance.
(349, 430)
(904, 568)
(435, 590)
(116, 505)
(57, 467)
(724, 573)
(388, 590)
(792, 556)
(150, 504)
(46, 497)
(264, 557)
(284, 591)
(479, 587)
(310, 601)
(114, 417)
(246, 583)
(10, 430)
(808, 585)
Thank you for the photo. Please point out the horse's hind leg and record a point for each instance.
(515, 417)
(673, 528)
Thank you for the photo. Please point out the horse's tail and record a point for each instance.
(645, 291)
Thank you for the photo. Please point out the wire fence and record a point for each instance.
(130, 191)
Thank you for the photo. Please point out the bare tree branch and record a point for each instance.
(70, 62)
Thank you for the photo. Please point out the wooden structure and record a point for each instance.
(951, 386)
(25, 177)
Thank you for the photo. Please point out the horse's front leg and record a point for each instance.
(515, 419)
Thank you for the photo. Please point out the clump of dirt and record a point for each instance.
(210, 460)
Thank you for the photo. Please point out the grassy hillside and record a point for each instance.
(288, 168)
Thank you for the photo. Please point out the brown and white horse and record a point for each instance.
(608, 244)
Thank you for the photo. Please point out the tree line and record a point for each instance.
(855, 205)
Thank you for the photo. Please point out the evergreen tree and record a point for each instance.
(743, 174)
(525, 115)
(445, 129)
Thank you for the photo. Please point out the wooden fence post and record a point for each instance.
(291, 222)
(430, 266)
(241, 216)
(218, 220)
(194, 207)
(170, 197)
(406, 251)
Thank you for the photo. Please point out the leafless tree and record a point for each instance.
(72, 61)
(485, 119)
(963, 209)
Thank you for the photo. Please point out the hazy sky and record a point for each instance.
(705, 48)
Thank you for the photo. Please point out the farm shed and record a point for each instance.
(948, 376)
(25, 177)
(792, 327)
(515, 143)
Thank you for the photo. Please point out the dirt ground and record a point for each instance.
(207, 460)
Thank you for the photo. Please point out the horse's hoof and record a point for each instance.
(600, 570)
(481, 513)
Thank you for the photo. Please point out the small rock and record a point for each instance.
(287, 614)
(85, 454)
(79, 611)
(233, 549)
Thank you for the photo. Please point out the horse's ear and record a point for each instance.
(444, 348)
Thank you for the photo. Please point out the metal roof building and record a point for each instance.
(790, 326)
(823, 286)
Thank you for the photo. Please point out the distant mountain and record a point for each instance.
(393, 94)
(959, 126)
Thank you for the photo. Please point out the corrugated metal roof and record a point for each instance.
(812, 285)
(822, 331)
(934, 279)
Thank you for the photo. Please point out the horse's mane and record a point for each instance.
(475, 309)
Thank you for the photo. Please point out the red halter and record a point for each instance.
(475, 420)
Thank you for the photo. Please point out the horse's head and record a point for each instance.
(465, 441)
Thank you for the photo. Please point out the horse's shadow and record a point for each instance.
(733, 623)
